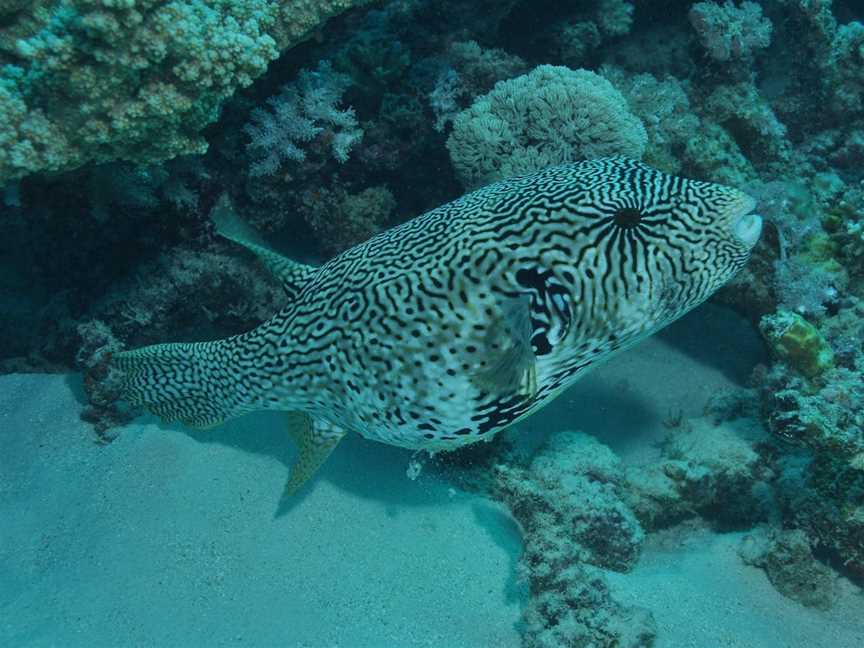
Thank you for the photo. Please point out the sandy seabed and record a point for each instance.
(167, 537)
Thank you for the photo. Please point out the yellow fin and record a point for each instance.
(315, 440)
(511, 364)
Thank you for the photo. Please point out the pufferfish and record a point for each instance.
(451, 327)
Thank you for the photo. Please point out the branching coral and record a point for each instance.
(836, 52)
(574, 41)
(137, 80)
(615, 17)
(728, 31)
(588, 25)
(715, 155)
(664, 108)
(742, 107)
(301, 112)
(474, 71)
(848, 65)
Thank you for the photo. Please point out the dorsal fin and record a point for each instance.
(292, 274)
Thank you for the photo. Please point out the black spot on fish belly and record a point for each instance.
(502, 412)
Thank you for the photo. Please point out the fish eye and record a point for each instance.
(627, 217)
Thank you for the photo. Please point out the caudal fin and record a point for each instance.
(198, 384)
(204, 383)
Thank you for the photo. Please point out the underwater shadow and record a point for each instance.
(366, 469)
(504, 532)
(616, 414)
(75, 382)
(378, 471)
(718, 337)
(258, 433)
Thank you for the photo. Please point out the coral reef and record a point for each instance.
(97, 80)
(741, 107)
(663, 106)
(835, 52)
(301, 112)
(709, 468)
(568, 504)
(615, 17)
(729, 31)
(788, 561)
(821, 490)
(340, 219)
(573, 607)
(472, 71)
(122, 121)
(569, 497)
(549, 116)
(101, 379)
(823, 496)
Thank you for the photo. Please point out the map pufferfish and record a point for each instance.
(457, 324)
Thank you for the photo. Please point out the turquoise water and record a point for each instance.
(691, 352)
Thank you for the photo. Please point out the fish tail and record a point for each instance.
(200, 384)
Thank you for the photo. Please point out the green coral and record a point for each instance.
(716, 156)
(799, 343)
(137, 80)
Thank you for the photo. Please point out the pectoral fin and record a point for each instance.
(511, 365)
(315, 440)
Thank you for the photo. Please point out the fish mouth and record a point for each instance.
(746, 225)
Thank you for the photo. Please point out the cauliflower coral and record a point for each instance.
(549, 116)
(137, 80)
